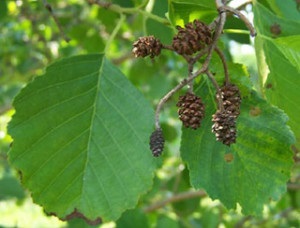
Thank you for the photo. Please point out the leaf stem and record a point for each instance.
(114, 33)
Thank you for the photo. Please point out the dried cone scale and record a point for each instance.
(224, 121)
(191, 110)
(192, 38)
(224, 127)
(157, 142)
(231, 98)
(145, 46)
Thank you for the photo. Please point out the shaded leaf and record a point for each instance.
(10, 187)
(81, 136)
(261, 158)
(133, 218)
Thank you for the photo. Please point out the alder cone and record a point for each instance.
(147, 45)
(191, 110)
(224, 127)
(192, 38)
(231, 98)
(157, 142)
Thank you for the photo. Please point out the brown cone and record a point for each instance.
(157, 142)
(145, 46)
(231, 99)
(191, 110)
(224, 127)
(194, 37)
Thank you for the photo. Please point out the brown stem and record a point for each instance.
(242, 17)
(192, 76)
(219, 97)
(60, 28)
(175, 198)
(168, 47)
(222, 57)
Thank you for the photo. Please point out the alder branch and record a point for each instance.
(242, 17)
(175, 198)
(204, 68)
(60, 28)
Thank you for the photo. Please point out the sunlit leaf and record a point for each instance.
(81, 139)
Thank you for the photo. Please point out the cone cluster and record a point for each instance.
(146, 46)
(191, 110)
(157, 142)
(192, 38)
(224, 120)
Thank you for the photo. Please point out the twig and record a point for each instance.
(60, 28)
(168, 47)
(242, 17)
(175, 198)
(219, 97)
(293, 186)
(118, 9)
(222, 57)
(192, 76)
(191, 83)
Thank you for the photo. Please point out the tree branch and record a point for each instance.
(175, 198)
(242, 17)
(60, 28)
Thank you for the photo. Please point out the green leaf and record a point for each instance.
(133, 218)
(259, 162)
(10, 187)
(281, 57)
(81, 136)
(264, 19)
(285, 9)
(166, 221)
(183, 11)
(290, 48)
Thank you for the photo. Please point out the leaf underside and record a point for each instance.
(81, 139)
(253, 170)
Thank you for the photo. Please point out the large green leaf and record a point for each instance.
(81, 139)
(249, 172)
(282, 84)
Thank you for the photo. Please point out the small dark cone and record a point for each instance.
(231, 99)
(224, 127)
(157, 142)
(145, 46)
(194, 37)
(191, 110)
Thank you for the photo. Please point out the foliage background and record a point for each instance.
(30, 40)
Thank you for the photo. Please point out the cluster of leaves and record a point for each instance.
(81, 130)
